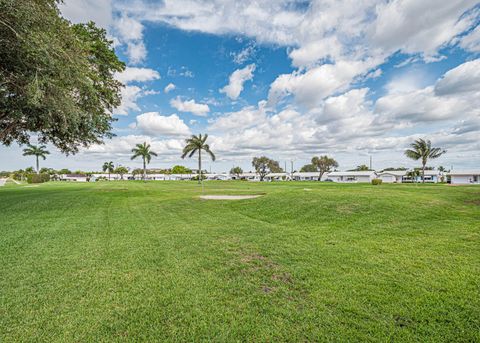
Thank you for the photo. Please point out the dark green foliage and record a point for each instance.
(144, 151)
(180, 170)
(308, 168)
(57, 79)
(362, 167)
(376, 182)
(264, 165)
(197, 144)
(39, 151)
(422, 150)
(324, 164)
(38, 178)
(236, 171)
(395, 168)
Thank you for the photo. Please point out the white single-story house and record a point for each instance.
(465, 177)
(247, 176)
(431, 176)
(352, 176)
(392, 176)
(306, 176)
(74, 177)
(277, 177)
(218, 176)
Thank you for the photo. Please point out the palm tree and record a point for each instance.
(108, 167)
(143, 151)
(194, 144)
(422, 149)
(37, 151)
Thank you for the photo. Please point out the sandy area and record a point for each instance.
(228, 197)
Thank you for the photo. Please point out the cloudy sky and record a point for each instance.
(288, 79)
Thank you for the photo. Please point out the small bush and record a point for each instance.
(38, 178)
(377, 182)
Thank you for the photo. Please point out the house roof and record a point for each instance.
(393, 172)
(306, 174)
(465, 172)
(276, 174)
(352, 173)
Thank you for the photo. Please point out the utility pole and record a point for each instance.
(371, 162)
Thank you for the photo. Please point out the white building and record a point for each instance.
(74, 177)
(277, 177)
(465, 177)
(352, 176)
(392, 176)
(431, 176)
(247, 176)
(308, 176)
(218, 176)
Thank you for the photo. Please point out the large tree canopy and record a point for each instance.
(264, 165)
(56, 79)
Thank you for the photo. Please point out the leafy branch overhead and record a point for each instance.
(57, 78)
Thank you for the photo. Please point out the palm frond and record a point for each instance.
(192, 152)
(413, 154)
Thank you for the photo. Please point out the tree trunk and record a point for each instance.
(199, 166)
(144, 170)
(38, 169)
(320, 176)
(108, 174)
(423, 172)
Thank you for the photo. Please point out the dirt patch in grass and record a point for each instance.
(473, 202)
(402, 321)
(270, 271)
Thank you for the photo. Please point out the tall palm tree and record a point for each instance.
(422, 149)
(37, 151)
(108, 167)
(194, 144)
(143, 151)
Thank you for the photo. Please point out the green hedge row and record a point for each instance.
(38, 178)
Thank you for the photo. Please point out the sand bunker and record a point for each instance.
(228, 197)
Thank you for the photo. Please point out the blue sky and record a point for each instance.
(288, 79)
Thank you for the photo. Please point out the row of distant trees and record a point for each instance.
(419, 150)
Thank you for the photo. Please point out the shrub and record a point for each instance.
(38, 178)
(377, 182)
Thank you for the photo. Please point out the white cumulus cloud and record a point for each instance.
(236, 81)
(170, 87)
(190, 106)
(155, 124)
(133, 74)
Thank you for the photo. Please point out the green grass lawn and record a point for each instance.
(134, 261)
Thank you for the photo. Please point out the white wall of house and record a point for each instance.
(465, 179)
(75, 178)
(352, 177)
(391, 176)
(387, 178)
(308, 176)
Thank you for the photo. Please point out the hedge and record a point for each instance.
(38, 178)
